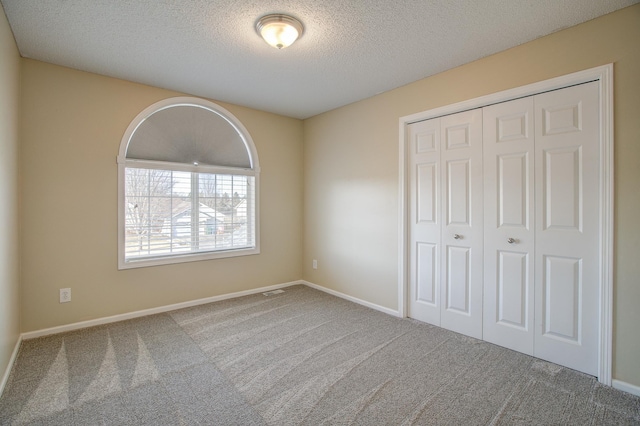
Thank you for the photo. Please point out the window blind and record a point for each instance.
(170, 212)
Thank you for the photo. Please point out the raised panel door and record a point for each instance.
(461, 263)
(508, 148)
(423, 145)
(567, 227)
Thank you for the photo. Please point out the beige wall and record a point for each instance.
(351, 167)
(9, 102)
(72, 123)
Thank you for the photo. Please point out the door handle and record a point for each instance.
(511, 240)
(457, 236)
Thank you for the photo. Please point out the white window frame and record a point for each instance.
(123, 163)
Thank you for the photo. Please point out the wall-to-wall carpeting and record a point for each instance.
(299, 357)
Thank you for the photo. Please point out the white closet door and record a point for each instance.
(461, 260)
(567, 211)
(508, 145)
(424, 221)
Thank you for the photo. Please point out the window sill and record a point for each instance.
(183, 258)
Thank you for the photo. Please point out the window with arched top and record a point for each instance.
(187, 185)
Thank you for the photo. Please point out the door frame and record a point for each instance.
(604, 76)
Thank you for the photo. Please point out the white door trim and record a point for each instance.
(604, 76)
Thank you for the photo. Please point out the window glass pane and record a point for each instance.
(172, 212)
(136, 211)
(181, 184)
(178, 224)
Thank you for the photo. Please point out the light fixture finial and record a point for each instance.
(279, 30)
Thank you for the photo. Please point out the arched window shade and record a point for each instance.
(188, 134)
(188, 185)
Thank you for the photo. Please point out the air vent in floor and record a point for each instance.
(271, 293)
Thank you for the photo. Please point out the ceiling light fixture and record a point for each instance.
(279, 30)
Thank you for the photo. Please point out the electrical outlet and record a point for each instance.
(65, 295)
(315, 264)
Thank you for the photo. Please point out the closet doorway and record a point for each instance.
(531, 166)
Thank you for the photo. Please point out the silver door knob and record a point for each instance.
(511, 240)
(457, 236)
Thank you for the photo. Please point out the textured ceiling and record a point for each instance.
(351, 49)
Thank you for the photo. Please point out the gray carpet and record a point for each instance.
(299, 357)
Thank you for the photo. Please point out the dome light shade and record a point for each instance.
(278, 30)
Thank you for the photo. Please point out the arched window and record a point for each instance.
(187, 185)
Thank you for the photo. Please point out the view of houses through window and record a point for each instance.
(169, 212)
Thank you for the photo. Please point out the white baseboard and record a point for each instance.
(617, 384)
(12, 360)
(627, 387)
(388, 311)
(151, 311)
